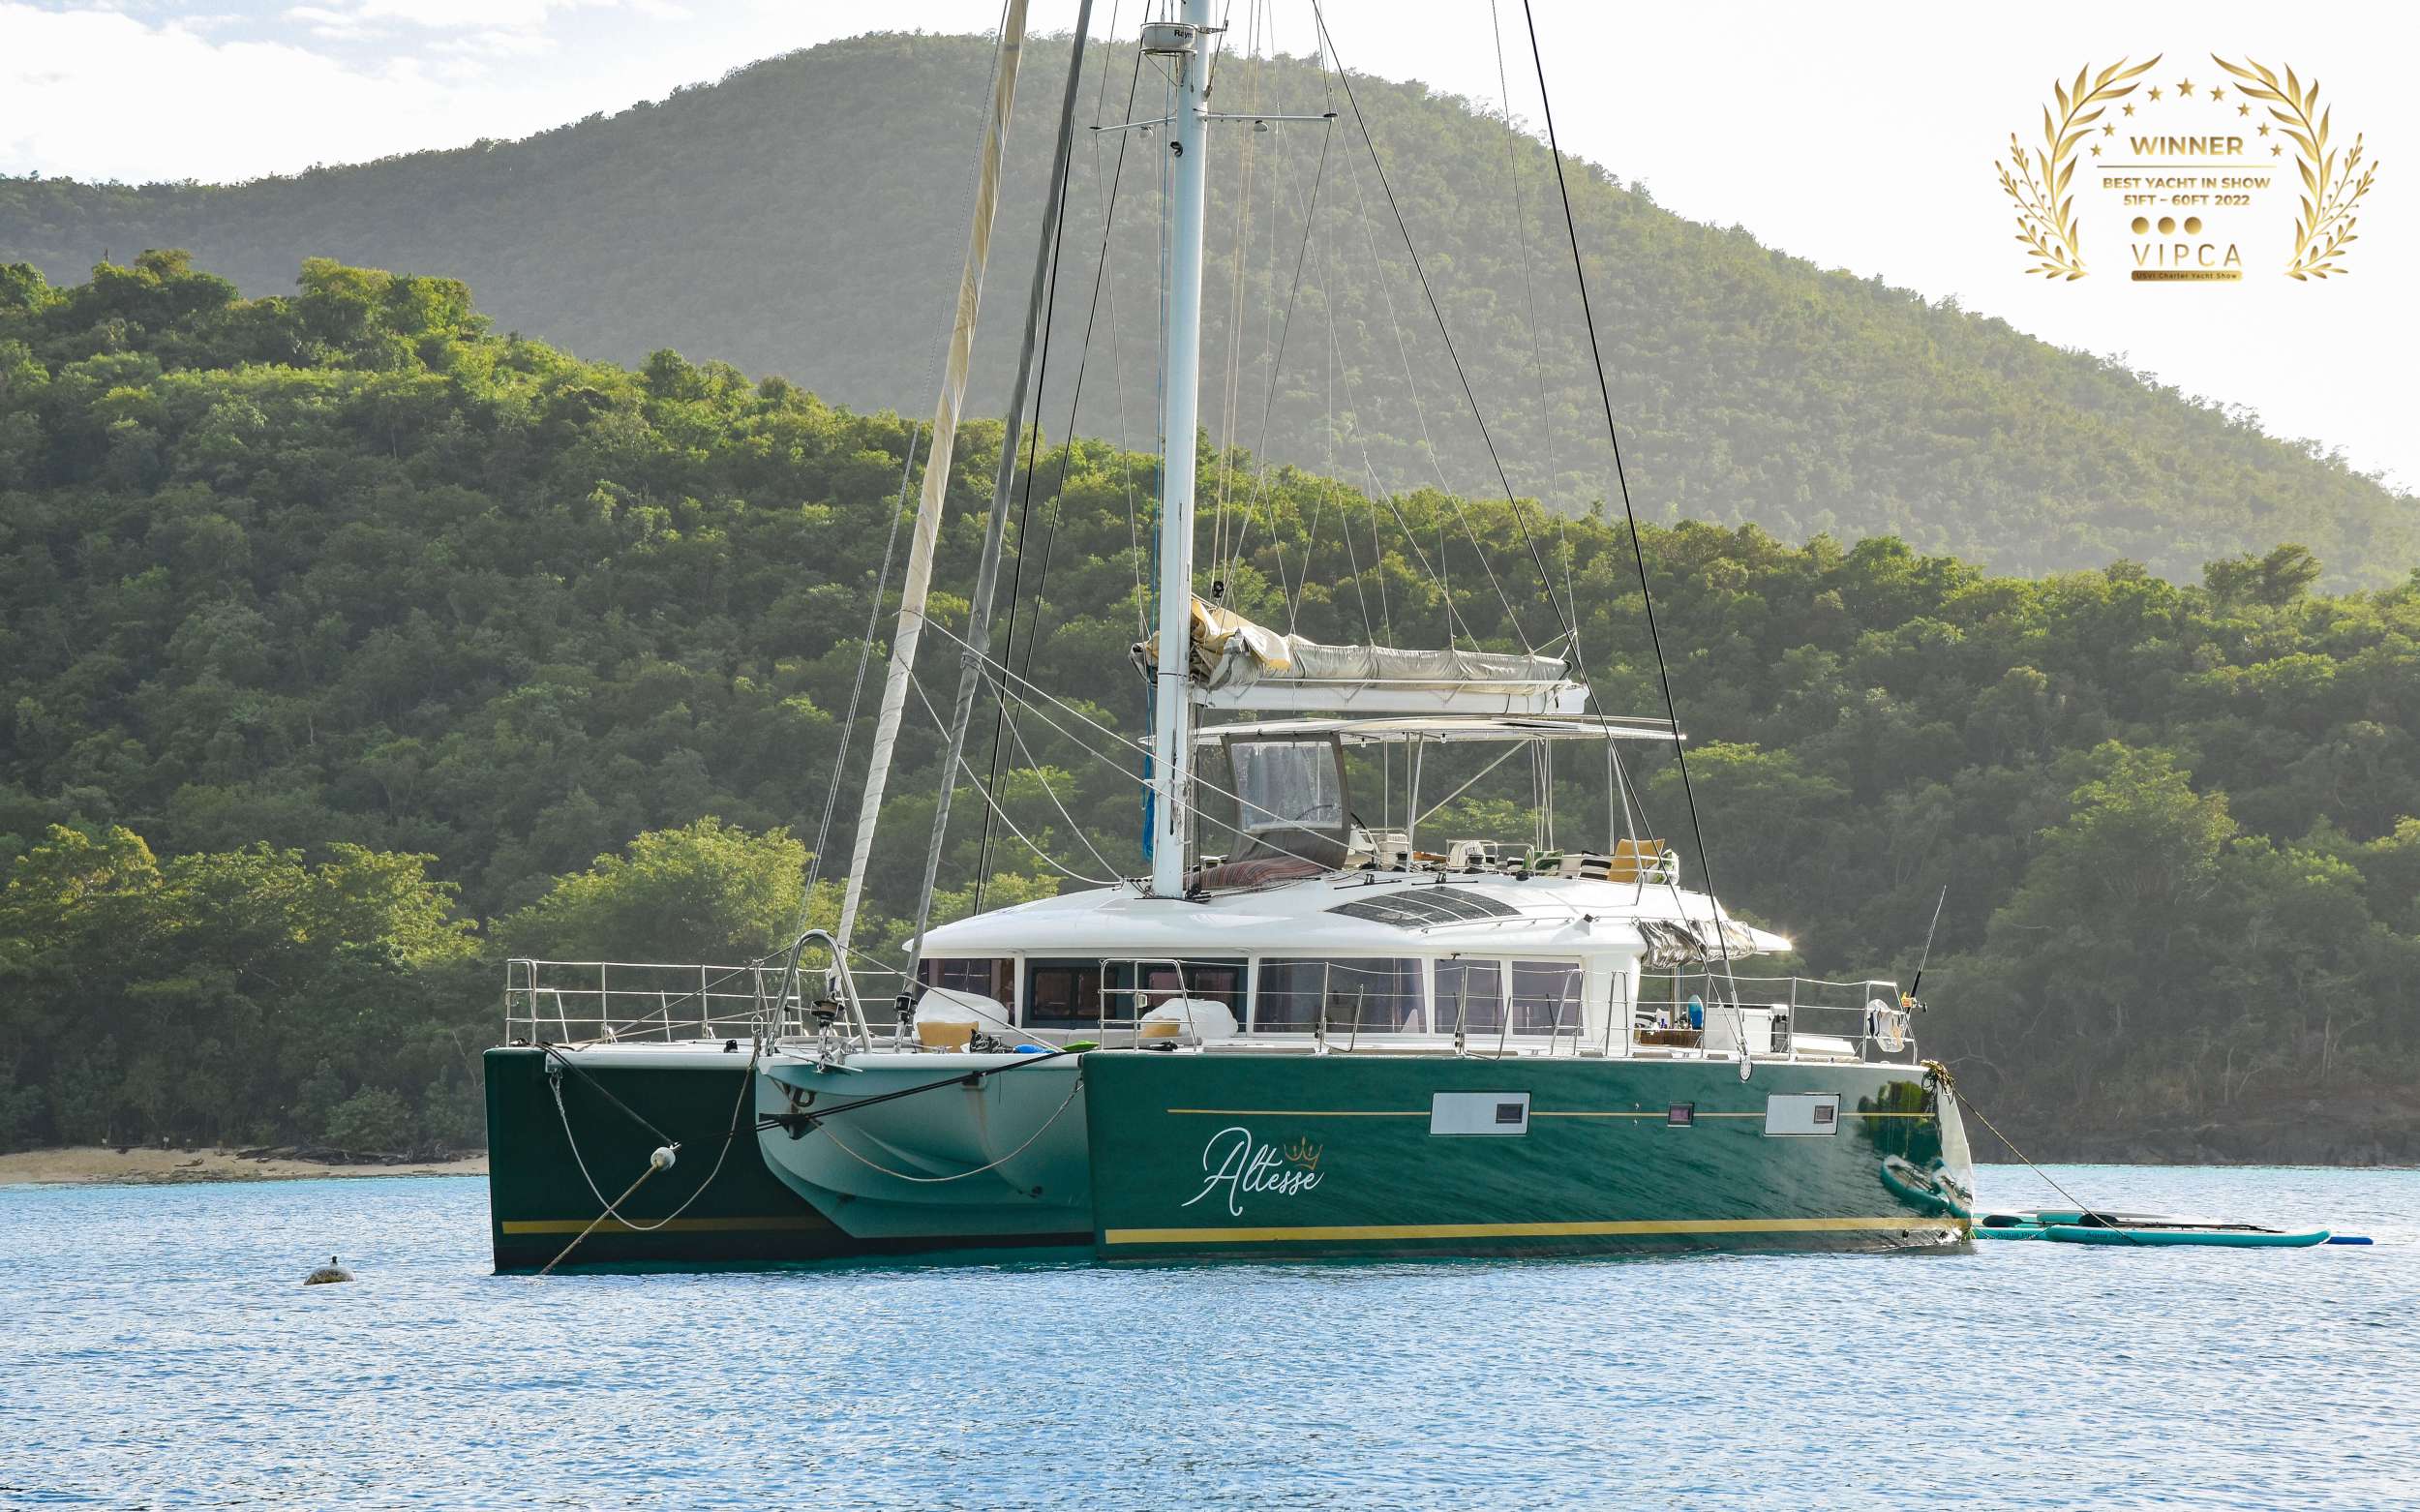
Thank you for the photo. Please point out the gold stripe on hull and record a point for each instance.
(1643, 1227)
(678, 1225)
(1535, 1112)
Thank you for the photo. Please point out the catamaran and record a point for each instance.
(1293, 1034)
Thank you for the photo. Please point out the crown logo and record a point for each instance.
(1303, 1153)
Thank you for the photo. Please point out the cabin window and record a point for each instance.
(1471, 995)
(1366, 996)
(994, 977)
(1063, 994)
(1217, 981)
(1546, 997)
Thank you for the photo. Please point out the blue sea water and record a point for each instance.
(156, 1349)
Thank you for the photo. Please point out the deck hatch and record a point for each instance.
(1420, 908)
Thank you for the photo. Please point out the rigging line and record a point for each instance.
(1230, 373)
(1461, 374)
(1377, 546)
(865, 658)
(1034, 765)
(1379, 494)
(1519, 515)
(1101, 283)
(1302, 578)
(988, 573)
(1353, 559)
(1025, 513)
(1066, 454)
(1377, 490)
(1279, 158)
(1530, 302)
(942, 726)
(1429, 813)
(1638, 553)
(1277, 359)
(1001, 678)
(998, 678)
(1411, 385)
(882, 581)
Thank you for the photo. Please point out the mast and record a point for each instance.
(919, 567)
(988, 573)
(1171, 735)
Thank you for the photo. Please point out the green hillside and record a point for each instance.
(339, 636)
(805, 216)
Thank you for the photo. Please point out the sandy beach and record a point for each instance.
(140, 1167)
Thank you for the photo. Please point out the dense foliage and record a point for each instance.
(805, 216)
(373, 624)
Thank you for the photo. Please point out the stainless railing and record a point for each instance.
(661, 1002)
(589, 1002)
(1804, 1016)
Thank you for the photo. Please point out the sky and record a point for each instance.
(1862, 137)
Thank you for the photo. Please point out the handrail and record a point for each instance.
(592, 1001)
(1796, 1008)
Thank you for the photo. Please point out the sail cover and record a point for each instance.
(1238, 664)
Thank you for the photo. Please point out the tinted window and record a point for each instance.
(994, 978)
(1546, 997)
(1472, 994)
(1063, 994)
(1217, 981)
(1377, 996)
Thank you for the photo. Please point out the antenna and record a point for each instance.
(1920, 960)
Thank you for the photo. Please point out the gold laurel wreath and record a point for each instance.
(2331, 192)
(2045, 220)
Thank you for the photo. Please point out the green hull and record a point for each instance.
(1225, 1155)
(1595, 1169)
(998, 1159)
(539, 1201)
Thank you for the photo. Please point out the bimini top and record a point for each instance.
(1238, 664)
(1366, 913)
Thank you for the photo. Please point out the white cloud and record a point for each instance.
(496, 44)
(111, 97)
(454, 14)
(97, 93)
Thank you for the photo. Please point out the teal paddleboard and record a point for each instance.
(2142, 1229)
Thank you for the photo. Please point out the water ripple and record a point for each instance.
(160, 1353)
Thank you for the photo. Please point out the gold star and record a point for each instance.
(2129, 110)
(2096, 149)
(2184, 88)
(2275, 149)
(2155, 91)
(2264, 128)
(2217, 90)
(2243, 109)
(2109, 130)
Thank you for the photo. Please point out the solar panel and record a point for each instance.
(1421, 907)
